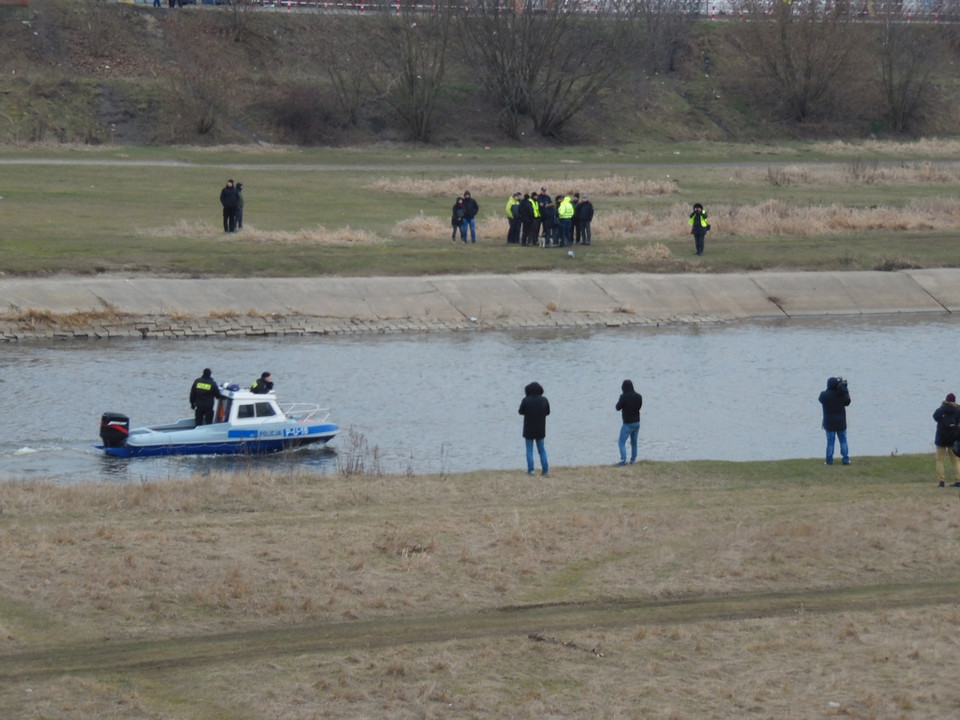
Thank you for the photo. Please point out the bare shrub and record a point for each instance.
(301, 111)
(892, 264)
(356, 457)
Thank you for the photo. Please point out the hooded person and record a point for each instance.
(835, 400)
(535, 407)
(947, 417)
(629, 406)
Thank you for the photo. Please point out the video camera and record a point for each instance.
(842, 384)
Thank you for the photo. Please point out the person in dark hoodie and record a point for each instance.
(202, 394)
(535, 407)
(629, 406)
(229, 200)
(835, 400)
(947, 417)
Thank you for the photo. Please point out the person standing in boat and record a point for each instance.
(202, 394)
(262, 385)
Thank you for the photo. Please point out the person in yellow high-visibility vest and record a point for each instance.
(565, 217)
(699, 226)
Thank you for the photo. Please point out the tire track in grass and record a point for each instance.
(160, 654)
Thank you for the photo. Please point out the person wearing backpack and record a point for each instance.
(947, 417)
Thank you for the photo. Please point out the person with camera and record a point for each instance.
(699, 226)
(947, 417)
(835, 400)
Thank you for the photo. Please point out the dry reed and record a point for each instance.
(504, 187)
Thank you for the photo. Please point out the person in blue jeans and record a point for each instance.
(835, 400)
(470, 210)
(535, 407)
(629, 406)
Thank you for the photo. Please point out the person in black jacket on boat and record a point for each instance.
(202, 394)
(262, 385)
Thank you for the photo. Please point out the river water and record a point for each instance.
(447, 402)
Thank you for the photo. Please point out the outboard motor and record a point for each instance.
(114, 429)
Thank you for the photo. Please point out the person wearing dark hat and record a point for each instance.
(947, 417)
(470, 210)
(698, 226)
(262, 384)
(835, 400)
(202, 394)
(229, 201)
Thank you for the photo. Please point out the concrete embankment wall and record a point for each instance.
(147, 306)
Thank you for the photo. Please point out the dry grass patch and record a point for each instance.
(32, 318)
(503, 187)
(930, 147)
(340, 237)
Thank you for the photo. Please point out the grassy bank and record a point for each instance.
(386, 212)
(665, 590)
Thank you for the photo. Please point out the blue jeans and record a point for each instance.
(472, 224)
(844, 451)
(541, 450)
(566, 232)
(632, 431)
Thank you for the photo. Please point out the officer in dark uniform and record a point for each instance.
(202, 394)
(263, 384)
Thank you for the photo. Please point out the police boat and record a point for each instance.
(245, 423)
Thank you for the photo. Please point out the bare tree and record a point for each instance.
(666, 25)
(802, 50)
(543, 60)
(908, 56)
(413, 59)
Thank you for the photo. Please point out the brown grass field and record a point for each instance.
(665, 590)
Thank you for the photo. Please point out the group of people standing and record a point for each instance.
(231, 199)
(464, 218)
(532, 219)
(538, 219)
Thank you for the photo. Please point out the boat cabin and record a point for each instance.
(243, 407)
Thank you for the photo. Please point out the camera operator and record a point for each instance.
(834, 401)
(699, 226)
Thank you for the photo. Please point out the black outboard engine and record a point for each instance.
(114, 429)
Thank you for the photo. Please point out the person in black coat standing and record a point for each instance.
(229, 200)
(584, 217)
(202, 394)
(947, 417)
(535, 407)
(835, 400)
(629, 406)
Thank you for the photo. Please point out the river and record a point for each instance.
(447, 402)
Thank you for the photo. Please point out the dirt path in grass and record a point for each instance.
(537, 622)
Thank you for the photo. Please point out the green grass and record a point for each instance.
(157, 210)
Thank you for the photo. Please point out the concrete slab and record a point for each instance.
(845, 293)
(942, 284)
(663, 297)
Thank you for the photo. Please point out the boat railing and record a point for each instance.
(305, 412)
